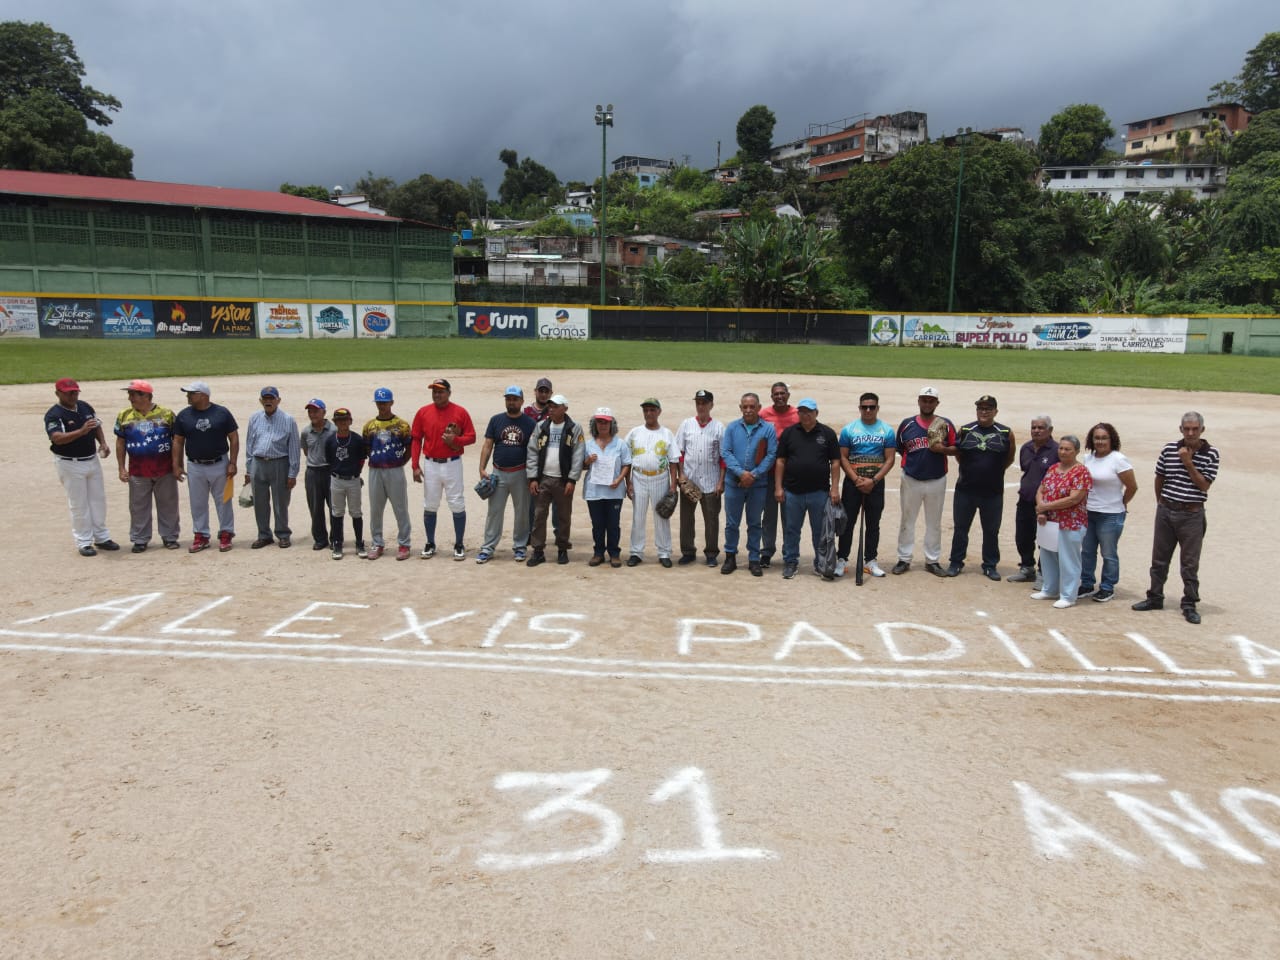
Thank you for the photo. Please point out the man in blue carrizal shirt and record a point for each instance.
(748, 448)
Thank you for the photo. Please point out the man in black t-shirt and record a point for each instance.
(206, 445)
(73, 429)
(805, 476)
(983, 451)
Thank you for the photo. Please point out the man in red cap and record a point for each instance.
(73, 429)
(144, 456)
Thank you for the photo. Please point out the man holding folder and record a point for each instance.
(206, 443)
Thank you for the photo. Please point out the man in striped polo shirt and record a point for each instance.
(1184, 472)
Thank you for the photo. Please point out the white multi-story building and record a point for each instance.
(1134, 181)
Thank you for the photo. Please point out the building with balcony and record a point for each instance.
(834, 152)
(1114, 182)
(647, 170)
(1159, 135)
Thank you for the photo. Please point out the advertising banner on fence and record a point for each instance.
(127, 319)
(283, 320)
(501, 322)
(70, 318)
(234, 319)
(182, 319)
(885, 331)
(1131, 334)
(564, 323)
(331, 321)
(19, 317)
(377, 320)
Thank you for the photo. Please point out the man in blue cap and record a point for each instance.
(387, 439)
(313, 439)
(272, 458)
(506, 440)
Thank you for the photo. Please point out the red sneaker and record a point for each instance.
(224, 541)
(402, 553)
(201, 542)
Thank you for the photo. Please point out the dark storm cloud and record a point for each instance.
(253, 94)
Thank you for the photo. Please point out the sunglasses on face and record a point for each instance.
(868, 406)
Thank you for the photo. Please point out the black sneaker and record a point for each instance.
(901, 567)
(731, 563)
(536, 558)
(107, 545)
(562, 556)
(1149, 603)
(1190, 615)
(991, 573)
(1024, 575)
(1102, 596)
(788, 570)
(713, 561)
(936, 569)
(754, 569)
(952, 571)
(139, 548)
(634, 561)
(687, 559)
(1086, 592)
(88, 551)
(665, 561)
(765, 561)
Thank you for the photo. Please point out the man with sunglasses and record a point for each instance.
(867, 449)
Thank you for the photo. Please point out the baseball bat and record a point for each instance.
(857, 572)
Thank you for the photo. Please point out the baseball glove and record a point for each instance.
(690, 490)
(667, 505)
(486, 487)
(938, 431)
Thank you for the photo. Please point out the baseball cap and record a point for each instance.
(440, 383)
(543, 384)
(342, 413)
(704, 395)
(382, 395)
(651, 402)
(513, 391)
(66, 384)
(269, 392)
(559, 399)
(986, 400)
(602, 413)
(927, 391)
(316, 402)
(139, 386)
(197, 386)
(807, 404)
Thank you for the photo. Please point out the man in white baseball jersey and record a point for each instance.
(653, 474)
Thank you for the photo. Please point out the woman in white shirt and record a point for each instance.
(606, 464)
(1113, 487)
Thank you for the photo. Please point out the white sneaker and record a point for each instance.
(873, 568)
(1064, 603)
(1040, 595)
(841, 564)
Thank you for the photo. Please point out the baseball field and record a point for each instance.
(272, 754)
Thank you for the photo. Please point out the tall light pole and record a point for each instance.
(962, 137)
(604, 120)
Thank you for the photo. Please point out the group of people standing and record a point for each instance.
(773, 463)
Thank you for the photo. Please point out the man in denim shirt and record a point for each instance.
(749, 448)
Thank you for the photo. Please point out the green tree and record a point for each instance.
(429, 200)
(781, 262)
(897, 221)
(46, 109)
(1261, 136)
(755, 134)
(1075, 136)
(312, 191)
(526, 179)
(1257, 85)
(377, 190)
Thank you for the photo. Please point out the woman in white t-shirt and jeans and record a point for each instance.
(1113, 487)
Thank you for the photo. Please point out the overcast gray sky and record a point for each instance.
(250, 93)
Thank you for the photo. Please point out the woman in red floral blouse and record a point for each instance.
(1061, 501)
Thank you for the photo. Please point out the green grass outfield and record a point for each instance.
(37, 361)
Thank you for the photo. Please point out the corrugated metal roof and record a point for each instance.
(27, 183)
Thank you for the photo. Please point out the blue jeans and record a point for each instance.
(738, 500)
(1061, 567)
(794, 509)
(1103, 533)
